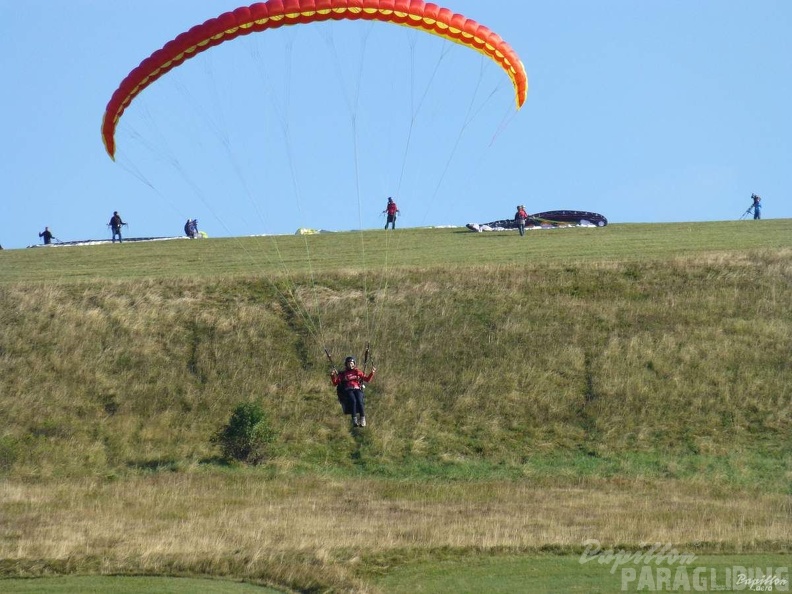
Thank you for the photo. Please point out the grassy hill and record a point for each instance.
(567, 371)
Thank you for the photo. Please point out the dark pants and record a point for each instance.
(757, 213)
(391, 221)
(117, 231)
(521, 226)
(355, 399)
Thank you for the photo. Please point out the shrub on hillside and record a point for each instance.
(247, 436)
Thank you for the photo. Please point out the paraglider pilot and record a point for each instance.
(391, 210)
(46, 235)
(757, 206)
(351, 380)
(115, 226)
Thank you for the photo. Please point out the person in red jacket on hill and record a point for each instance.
(391, 209)
(351, 380)
(520, 218)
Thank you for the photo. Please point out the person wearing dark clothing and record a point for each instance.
(520, 217)
(115, 226)
(351, 381)
(191, 228)
(46, 235)
(391, 210)
(757, 206)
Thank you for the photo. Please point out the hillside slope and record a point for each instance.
(489, 356)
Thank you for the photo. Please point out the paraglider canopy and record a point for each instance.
(262, 16)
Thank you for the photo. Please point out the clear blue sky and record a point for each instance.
(644, 111)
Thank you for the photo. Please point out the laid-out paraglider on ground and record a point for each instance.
(552, 219)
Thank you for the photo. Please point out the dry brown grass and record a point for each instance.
(208, 516)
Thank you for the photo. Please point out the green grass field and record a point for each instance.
(501, 574)
(128, 585)
(629, 385)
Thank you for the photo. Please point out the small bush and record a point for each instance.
(247, 435)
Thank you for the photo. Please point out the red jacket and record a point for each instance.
(391, 208)
(351, 378)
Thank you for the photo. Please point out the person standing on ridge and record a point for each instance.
(520, 217)
(115, 226)
(46, 235)
(191, 228)
(757, 206)
(351, 380)
(391, 209)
